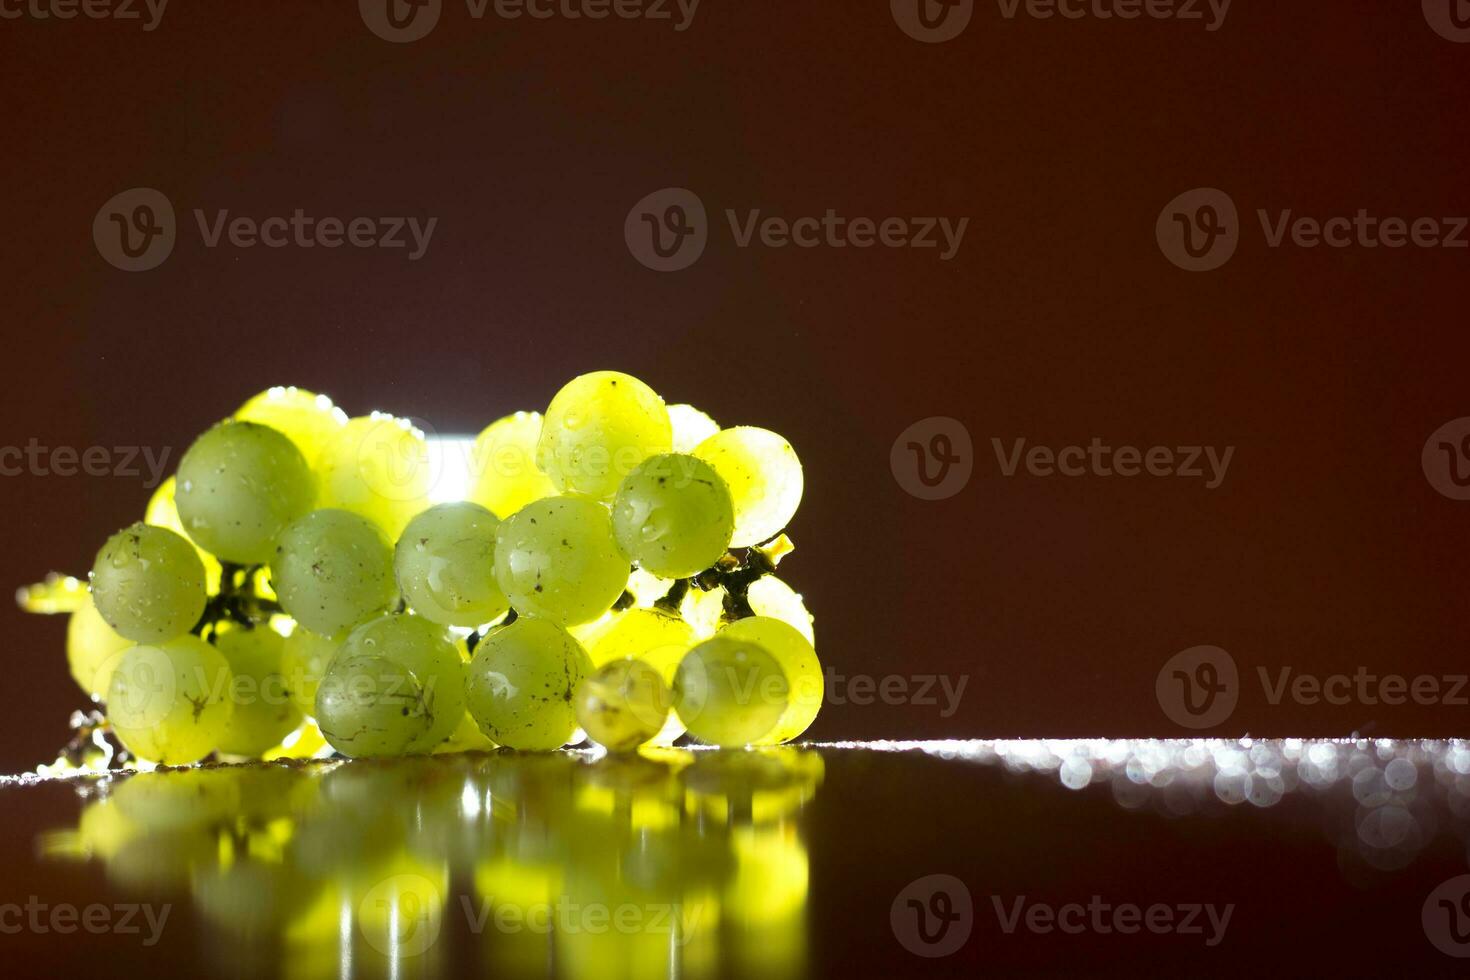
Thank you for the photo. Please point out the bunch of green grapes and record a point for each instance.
(297, 588)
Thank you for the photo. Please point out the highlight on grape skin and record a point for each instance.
(311, 583)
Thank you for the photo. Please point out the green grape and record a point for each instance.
(599, 427)
(333, 570)
(764, 477)
(369, 706)
(798, 660)
(522, 681)
(730, 692)
(92, 649)
(673, 515)
(658, 638)
(239, 485)
(377, 466)
(263, 710)
(305, 657)
(446, 565)
(466, 737)
(148, 583)
(767, 596)
(163, 511)
(770, 596)
(169, 702)
(306, 418)
(556, 558)
(623, 705)
(691, 427)
(506, 477)
(424, 650)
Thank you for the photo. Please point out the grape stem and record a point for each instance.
(236, 601)
(735, 574)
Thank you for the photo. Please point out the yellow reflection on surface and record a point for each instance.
(560, 864)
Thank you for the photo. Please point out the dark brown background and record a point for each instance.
(1058, 321)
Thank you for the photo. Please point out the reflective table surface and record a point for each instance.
(1020, 858)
